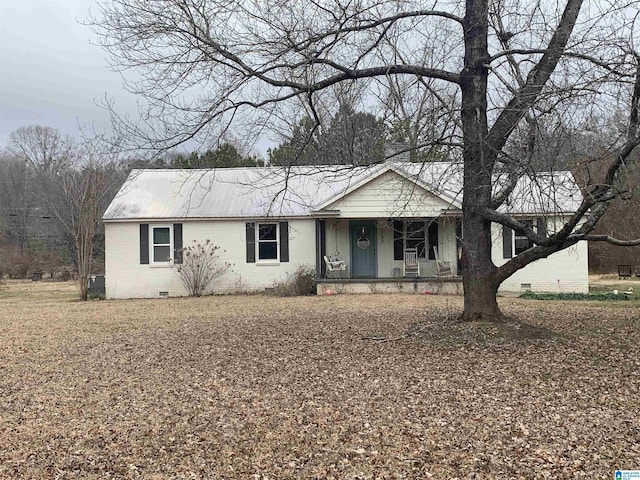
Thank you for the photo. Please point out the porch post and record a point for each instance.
(458, 245)
(321, 248)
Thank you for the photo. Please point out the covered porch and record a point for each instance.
(369, 255)
(390, 232)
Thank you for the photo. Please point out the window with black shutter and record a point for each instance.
(267, 242)
(514, 243)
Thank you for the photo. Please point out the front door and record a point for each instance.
(363, 249)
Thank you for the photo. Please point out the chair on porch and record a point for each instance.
(444, 269)
(411, 262)
(334, 266)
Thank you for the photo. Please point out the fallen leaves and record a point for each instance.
(262, 387)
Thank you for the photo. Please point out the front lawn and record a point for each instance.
(259, 387)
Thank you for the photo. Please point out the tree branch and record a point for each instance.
(610, 239)
(537, 78)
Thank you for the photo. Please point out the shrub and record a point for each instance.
(63, 275)
(299, 283)
(20, 267)
(200, 266)
(579, 296)
(13, 261)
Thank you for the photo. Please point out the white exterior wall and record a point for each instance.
(127, 278)
(565, 271)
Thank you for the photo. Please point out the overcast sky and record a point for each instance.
(50, 73)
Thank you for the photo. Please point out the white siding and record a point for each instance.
(389, 196)
(564, 271)
(126, 278)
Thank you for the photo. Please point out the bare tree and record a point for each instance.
(17, 199)
(42, 148)
(506, 64)
(78, 196)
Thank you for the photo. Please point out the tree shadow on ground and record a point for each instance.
(447, 333)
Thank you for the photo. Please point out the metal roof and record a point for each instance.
(298, 191)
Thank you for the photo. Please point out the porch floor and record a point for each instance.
(423, 285)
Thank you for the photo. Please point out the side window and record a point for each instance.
(514, 243)
(161, 244)
(521, 242)
(267, 241)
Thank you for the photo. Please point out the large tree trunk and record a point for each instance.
(479, 272)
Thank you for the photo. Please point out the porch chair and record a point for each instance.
(411, 263)
(444, 269)
(334, 265)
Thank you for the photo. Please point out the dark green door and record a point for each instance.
(363, 249)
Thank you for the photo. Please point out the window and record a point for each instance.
(415, 237)
(161, 244)
(267, 242)
(520, 241)
(418, 234)
(514, 243)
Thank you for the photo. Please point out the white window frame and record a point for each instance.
(258, 241)
(152, 244)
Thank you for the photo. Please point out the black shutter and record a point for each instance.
(177, 243)
(432, 233)
(251, 242)
(398, 244)
(284, 241)
(507, 234)
(144, 244)
(542, 226)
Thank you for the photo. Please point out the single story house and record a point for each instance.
(268, 221)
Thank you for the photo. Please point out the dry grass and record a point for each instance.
(262, 387)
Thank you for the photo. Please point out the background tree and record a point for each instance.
(225, 156)
(17, 199)
(78, 196)
(509, 65)
(350, 138)
(300, 147)
(43, 148)
(53, 191)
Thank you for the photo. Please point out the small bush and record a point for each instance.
(299, 283)
(20, 268)
(64, 276)
(91, 295)
(578, 296)
(200, 266)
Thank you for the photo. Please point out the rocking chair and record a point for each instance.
(444, 269)
(411, 262)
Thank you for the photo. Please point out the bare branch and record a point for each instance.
(611, 240)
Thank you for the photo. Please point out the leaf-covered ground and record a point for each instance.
(258, 387)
